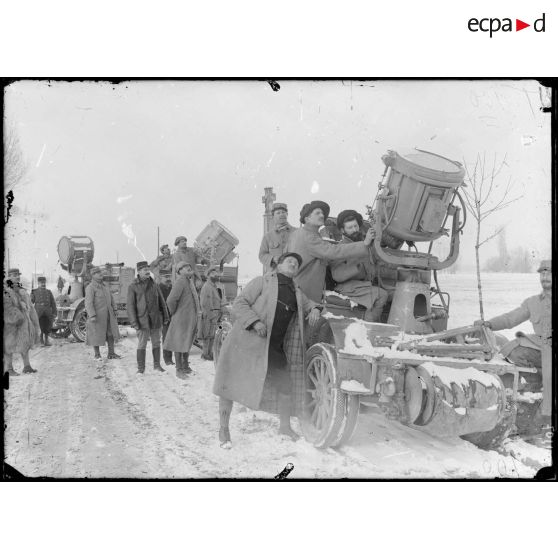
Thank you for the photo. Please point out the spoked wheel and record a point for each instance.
(78, 327)
(220, 335)
(329, 415)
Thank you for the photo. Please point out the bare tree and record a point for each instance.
(484, 196)
(15, 167)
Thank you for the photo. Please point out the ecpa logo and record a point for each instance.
(494, 24)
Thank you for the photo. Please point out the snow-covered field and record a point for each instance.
(74, 420)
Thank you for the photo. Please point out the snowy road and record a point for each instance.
(73, 420)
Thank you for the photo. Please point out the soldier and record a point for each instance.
(532, 350)
(211, 303)
(21, 324)
(354, 276)
(60, 284)
(162, 263)
(147, 311)
(316, 252)
(165, 287)
(185, 254)
(45, 305)
(102, 326)
(274, 242)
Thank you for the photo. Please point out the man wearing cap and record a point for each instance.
(265, 346)
(165, 286)
(354, 276)
(45, 305)
(102, 326)
(316, 252)
(185, 254)
(147, 312)
(528, 349)
(274, 242)
(211, 303)
(162, 262)
(21, 324)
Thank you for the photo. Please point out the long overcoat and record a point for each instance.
(316, 253)
(211, 308)
(145, 305)
(242, 366)
(184, 306)
(21, 324)
(100, 303)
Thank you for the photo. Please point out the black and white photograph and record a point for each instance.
(278, 278)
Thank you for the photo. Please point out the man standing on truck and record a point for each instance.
(188, 255)
(43, 299)
(147, 311)
(162, 262)
(316, 252)
(354, 276)
(274, 242)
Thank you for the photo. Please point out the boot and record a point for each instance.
(157, 359)
(140, 355)
(167, 357)
(284, 401)
(113, 355)
(42, 339)
(28, 369)
(178, 359)
(47, 344)
(185, 364)
(96, 353)
(225, 408)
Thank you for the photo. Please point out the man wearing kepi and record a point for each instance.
(211, 308)
(45, 305)
(354, 276)
(102, 326)
(316, 252)
(274, 242)
(532, 350)
(147, 312)
(21, 325)
(267, 338)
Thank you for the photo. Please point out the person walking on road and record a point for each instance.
(147, 312)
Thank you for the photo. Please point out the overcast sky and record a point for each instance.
(110, 160)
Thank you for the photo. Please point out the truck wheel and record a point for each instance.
(78, 327)
(329, 415)
(222, 331)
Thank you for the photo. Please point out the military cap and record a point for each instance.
(41, 279)
(178, 239)
(348, 215)
(165, 273)
(286, 255)
(212, 268)
(164, 247)
(307, 208)
(14, 271)
(546, 265)
(96, 269)
(180, 265)
(279, 205)
(141, 265)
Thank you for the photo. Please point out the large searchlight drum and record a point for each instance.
(75, 252)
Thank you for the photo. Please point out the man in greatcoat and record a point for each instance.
(274, 242)
(184, 305)
(102, 326)
(165, 286)
(45, 306)
(354, 276)
(211, 303)
(316, 252)
(184, 253)
(21, 324)
(147, 312)
(528, 349)
(255, 352)
(162, 263)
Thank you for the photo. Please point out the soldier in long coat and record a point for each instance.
(354, 276)
(45, 305)
(102, 326)
(165, 286)
(184, 306)
(256, 348)
(532, 350)
(21, 324)
(316, 252)
(274, 242)
(211, 303)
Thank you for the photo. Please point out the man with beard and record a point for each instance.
(211, 307)
(147, 312)
(274, 242)
(45, 305)
(316, 252)
(161, 263)
(354, 276)
(528, 349)
(165, 286)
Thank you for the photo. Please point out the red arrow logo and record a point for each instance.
(519, 25)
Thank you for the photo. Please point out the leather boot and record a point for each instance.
(167, 357)
(42, 339)
(47, 343)
(178, 360)
(140, 355)
(185, 364)
(112, 354)
(157, 359)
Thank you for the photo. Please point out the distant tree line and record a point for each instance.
(518, 260)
